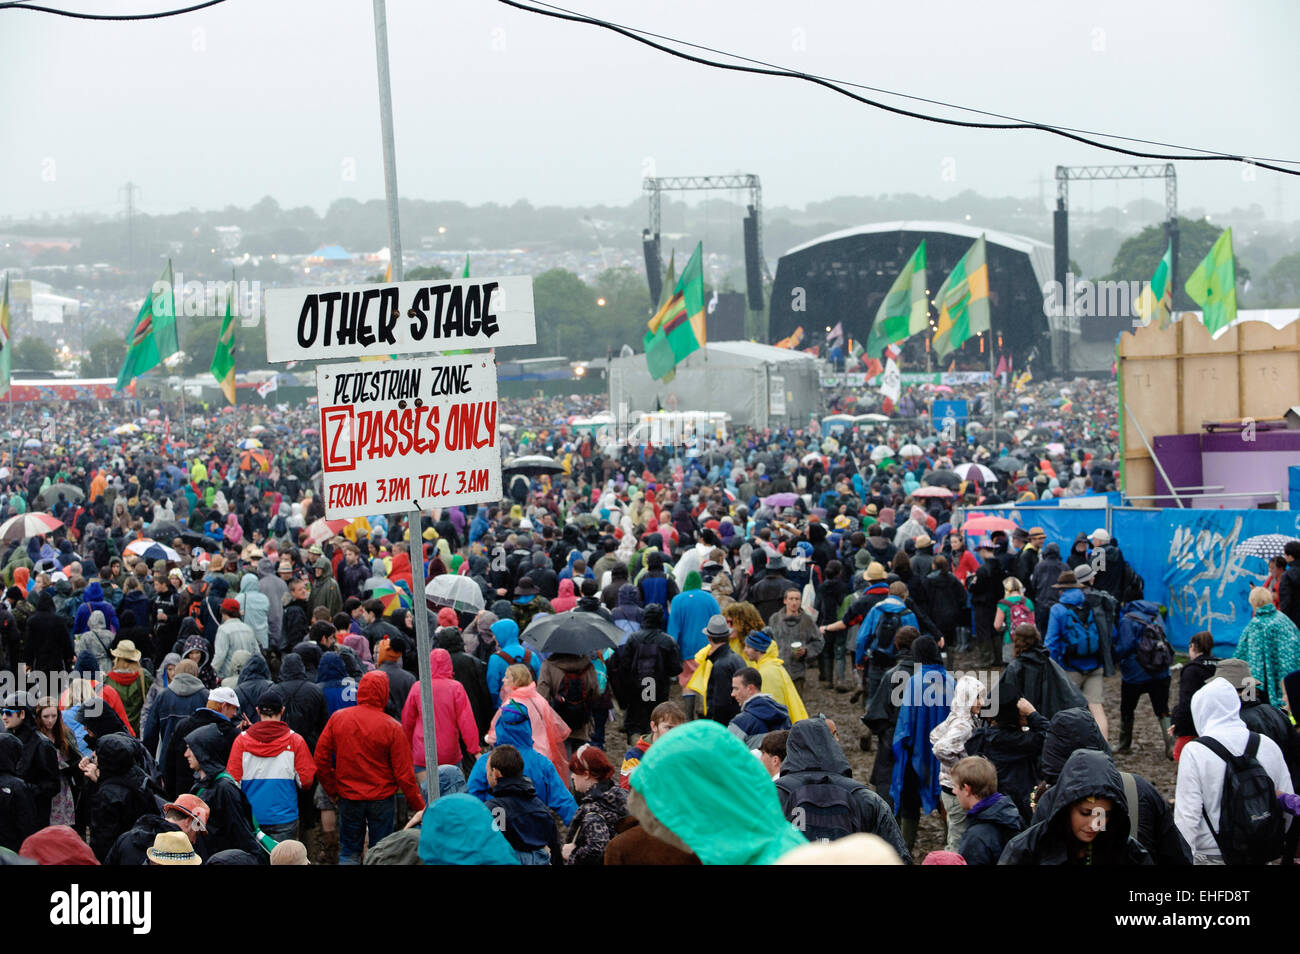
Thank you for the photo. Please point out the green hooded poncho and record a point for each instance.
(701, 782)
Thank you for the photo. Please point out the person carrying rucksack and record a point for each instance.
(876, 634)
(642, 671)
(1074, 643)
(1144, 656)
(1225, 803)
(570, 684)
(821, 799)
(1014, 609)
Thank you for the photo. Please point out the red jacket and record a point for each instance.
(452, 716)
(363, 755)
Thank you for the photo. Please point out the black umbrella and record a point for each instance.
(193, 538)
(577, 633)
(941, 478)
(1007, 465)
(1024, 453)
(533, 465)
(997, 435)
(164, 531)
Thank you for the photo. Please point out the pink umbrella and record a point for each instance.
(942, 492)
(977, 525)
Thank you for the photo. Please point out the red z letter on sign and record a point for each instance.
(336, 438)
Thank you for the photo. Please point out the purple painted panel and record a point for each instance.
(1180, 456)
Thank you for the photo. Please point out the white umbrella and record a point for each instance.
(1266, 546)
(451, 589)
(984, 473)
(910, 450)
(880, 453)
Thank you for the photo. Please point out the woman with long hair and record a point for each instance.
(49, 722)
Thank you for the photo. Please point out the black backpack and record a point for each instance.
(571, 702)
(822, 810)
(1154, 654)
(1250, 820)
(891, 621)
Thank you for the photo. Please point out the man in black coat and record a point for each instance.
(768, 585)
(38, 765)
(814, 760)
(985, 591)
(305, 710)
(1042, 584)
(721, 706)
(648, 654)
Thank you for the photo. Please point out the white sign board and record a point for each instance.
(408, 435)
(776, 395)
(354, 321)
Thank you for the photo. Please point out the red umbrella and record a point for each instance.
(321, 530)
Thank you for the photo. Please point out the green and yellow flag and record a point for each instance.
(679, 323)
(1213, 286)
(465, 273)
(963, 302)
(223, 357)
(5, 343)
(1156, 301)
(905, 310)
(152, 337)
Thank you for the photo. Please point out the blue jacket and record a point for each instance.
(1133, 617)
(761, 714)
(478, 526)
(93, 599)
(924, 706)
(507, 633)
(515, 728)
(687, 617)
(990, 824)
(891, 604)
(177, 702)
(332, 676)
(1058, 635)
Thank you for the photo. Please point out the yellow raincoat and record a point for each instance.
(778, 684)
(699, 681)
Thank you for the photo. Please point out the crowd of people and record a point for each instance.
(203, 670)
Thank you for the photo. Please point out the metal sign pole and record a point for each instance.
(416, 537)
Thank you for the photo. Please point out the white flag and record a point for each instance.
(266, 387)
(891, 382)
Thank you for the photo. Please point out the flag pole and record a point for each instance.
(414, 534)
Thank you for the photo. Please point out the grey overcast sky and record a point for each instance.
(277, 97)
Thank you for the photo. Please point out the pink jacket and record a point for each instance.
(549, 730)
(452, 716)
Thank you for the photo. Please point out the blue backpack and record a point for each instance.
(1081, 639)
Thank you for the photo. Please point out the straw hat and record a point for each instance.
(126, 650)
(173, 848)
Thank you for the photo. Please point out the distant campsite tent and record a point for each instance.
(329, 253)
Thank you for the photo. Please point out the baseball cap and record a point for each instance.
(1100, 537)
(231, 606)
(193, 806)
(224, 694)
(271, 699)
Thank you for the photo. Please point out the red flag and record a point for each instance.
(1002, 365)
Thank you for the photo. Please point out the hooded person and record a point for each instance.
(362, 760)
(162, 679)
(305, 709)
(455, 730)
(230, 822)
(1073, 730)
(817, 784)
(275, 590)
(684, 792)
(1089, 824)
(121, 793)
(195, 645)
(389, 652)
(948, 742)
(689, 614)
(255, 608)
(514, 726)
(96, 638)
(459, 830)
(92, 600)
(1033, 674)
(550, 732)
(565, 600)
(479, 640)
(925, 704)
(471, 673)
(332, 676)
(49, 646)
(509, 651)
(1198, 797)
(57, 845)
(184, 694)
(17, 804)
(254, 679)
(648, 653)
